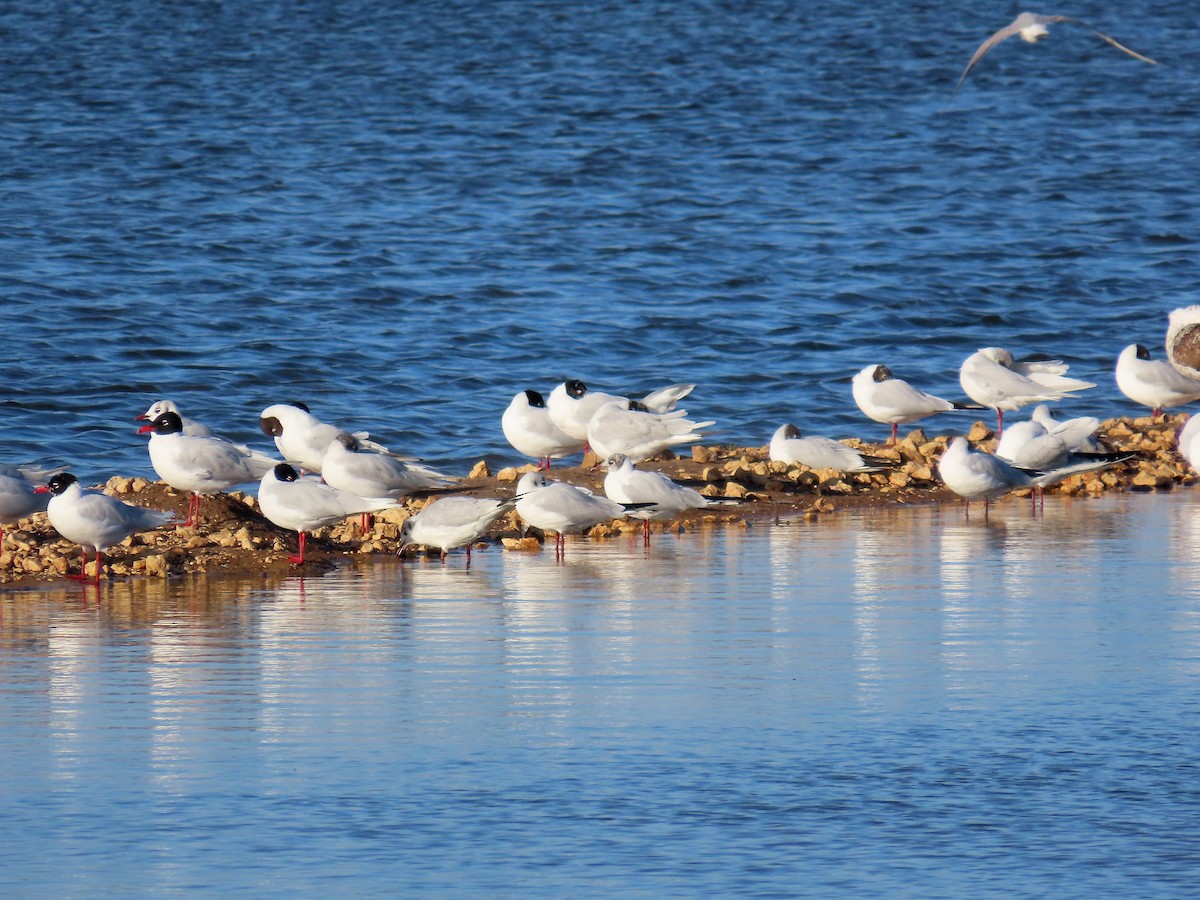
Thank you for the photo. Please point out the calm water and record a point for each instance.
(901, 704)
(405, 213)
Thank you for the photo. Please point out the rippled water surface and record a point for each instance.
(895, 704)
(405, 213)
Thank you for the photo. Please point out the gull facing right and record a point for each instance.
(885, 398)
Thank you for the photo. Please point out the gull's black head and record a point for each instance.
(1142, 352)
(535, 399)
(576, 388)
(882, 373)
(284, 472)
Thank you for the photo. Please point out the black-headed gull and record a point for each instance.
(92, 519)
(617, 428)
(885, 398)
(1028, 445)
(529, 429)
(198, 463)
(1153, 382)
(191, 427)
(302, 503)
(350, 466)
(572, 405)
(18, 495)
(975, 475)
(664, 497)
(562, 508)
(453, 522)
(788, 446)
(992, 377)
(1078, 433)
(301, 437)
(1032, 28)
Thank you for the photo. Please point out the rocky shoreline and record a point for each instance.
(234, 538)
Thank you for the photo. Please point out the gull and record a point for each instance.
(618, 428)
(301, 437)
(453, 522)
(528, 428)
(303, 503)
(562, 508)
(975, 475)
(18, 494)
(885, 398)
(787, 446)
(191, 427)
(1078, 433)
(1183, 341)
(1029, 446)
(991, 377)
(1032, 28)
(92, 519)
(665, 498)
(1153, 382)
(200, 464)
(572, 405)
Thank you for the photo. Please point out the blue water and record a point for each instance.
(899, 704)
(403, 214)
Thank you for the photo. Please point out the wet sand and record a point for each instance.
(234, 539)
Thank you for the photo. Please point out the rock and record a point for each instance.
(118, 485)
(590, 460)
(701, 454)
(480, 470)
(979, 433)
(735, 490)
(523, 545)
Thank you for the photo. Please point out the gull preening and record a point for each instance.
(618, 428)
(787, 446)
(302, 503)
(200, 464)
(1032, 28)
(1153, 382)
(571, 405)
(1183, 341)
(453, 522)
(93, 519)
(527, 426)
(993, 378)
(1028, 445)
(884, 398)
(651, 495)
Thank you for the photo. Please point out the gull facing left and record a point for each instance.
(453, 522)
(992, 377)
(658, 496)
(787, 446)
(1153, 382)
(975, 475)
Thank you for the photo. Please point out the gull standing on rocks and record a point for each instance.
(562, 508)
(975, 475)
(617, 428)
(1078, 433)
(304, 503)
(529, 429)
(93, 519)
(191, 427)
(453, 522)
(18, 494)
(1028, 445)
(301, 437)
(200, 464)
(665, 498)
(1153, 382)
(572, 405)
(991, 377)
(885, 398)
(787, 446)
(1032, 28)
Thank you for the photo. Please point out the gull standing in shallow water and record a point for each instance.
(1153, 382)
(990, 376)
(787, 446)
(562, 508)
(93, 519)
(1032, 28)
(453, 522)
(884, 398)
(665, 498)
(304, 503)
(975, 475)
